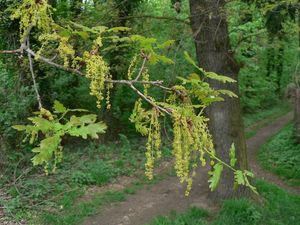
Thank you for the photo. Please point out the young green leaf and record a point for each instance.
(59, 107)
(89, 130)
(220, 78)
(232, 155)
(215, 176)
(228, 93)
(239, 177)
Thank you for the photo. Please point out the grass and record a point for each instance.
(193, 216)
(254, 121)
(58, 198)
(281, 155)
(278, 208)
(72, 212)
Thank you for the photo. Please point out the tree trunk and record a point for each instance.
(213, 51)
(297, 114)
(297, 96)
(3, 154)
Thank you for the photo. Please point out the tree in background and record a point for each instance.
(297, 89)
(210, 30)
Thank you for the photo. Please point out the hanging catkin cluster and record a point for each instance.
(191, 138)
(33, 13)
(191, 142)
(65, 49)
(153, 143)
(97, 71)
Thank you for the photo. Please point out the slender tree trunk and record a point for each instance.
(270, 57)
(279, 68)
(209, 26)
(297, 93)
(3, 153)
(297, 114)
(118, 70)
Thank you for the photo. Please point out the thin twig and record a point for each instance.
(11, 51)
(33, 79)
(49, 62)
(147, 99)
(142, 68)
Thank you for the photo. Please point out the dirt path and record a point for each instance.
(259, 139)
(168, 194)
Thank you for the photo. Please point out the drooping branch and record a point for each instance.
(48, 61)
(129, 83)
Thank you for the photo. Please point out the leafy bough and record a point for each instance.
(184, 104)
(53, 127)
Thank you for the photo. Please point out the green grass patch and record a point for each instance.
(278, 208)
(281, 155)
(193, 216)
(73, 214)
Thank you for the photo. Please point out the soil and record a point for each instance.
(168, 195)
(259, 139)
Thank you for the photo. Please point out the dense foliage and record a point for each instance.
(183, 103)
(130, 65)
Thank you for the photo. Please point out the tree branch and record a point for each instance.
(33, 79)
(156, 18)
(16, 51)
(142, 68)
(147, 99)
(130, 83)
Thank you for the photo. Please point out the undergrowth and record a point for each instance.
(57, 198)
(281, 155)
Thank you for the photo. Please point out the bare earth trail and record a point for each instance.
(168, 195)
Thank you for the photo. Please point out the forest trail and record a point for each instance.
(168, 195)
(259, 139)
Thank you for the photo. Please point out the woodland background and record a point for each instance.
(265, 42)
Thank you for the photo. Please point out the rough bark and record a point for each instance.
(297, 114)
(297, 96)
(210, 30)
(3, 155)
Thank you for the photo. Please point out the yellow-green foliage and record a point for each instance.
(53, 126)
(65, 49)
(33, 13)
(192, 143)
(97, 71)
